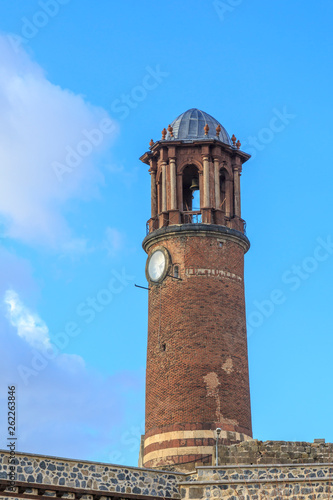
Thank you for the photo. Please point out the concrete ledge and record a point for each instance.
(264, 466)
(258, 481)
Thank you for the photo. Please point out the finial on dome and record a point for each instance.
(206, 129)
(234, 139)
(164, 133)
(170, 130)
(238, 144)
(218, 130)
(151, 144)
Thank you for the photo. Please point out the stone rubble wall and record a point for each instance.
(290, 482)
(275, 452)
(42, 470)
(260, 481)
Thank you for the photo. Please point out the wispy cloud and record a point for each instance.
(33, 329)
(58, 408)
(29, 326)
(40, 124)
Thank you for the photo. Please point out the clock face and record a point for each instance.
(156, 265)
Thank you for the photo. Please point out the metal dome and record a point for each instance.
(190, 126)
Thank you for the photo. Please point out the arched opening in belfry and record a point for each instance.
(223, 196)
(191, 189)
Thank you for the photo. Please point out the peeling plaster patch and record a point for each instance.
(227, 366)
(212, 385)
(212, 382)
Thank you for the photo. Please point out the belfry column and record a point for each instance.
(152, 172)
(164, 195)
(206, 210)
(206, 181)
(163, 217)
(217, 183)
(173, 212)
(219, 216)
(237, 205)
(173, 197)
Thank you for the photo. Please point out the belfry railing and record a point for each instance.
(191, 217)
(186, 217)
(195, 217)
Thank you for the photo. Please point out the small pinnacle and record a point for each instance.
(151, 144)
(206, 128)
(234, 139)
(218, 130)
(170, 130)
(164, 133)
(238, 144)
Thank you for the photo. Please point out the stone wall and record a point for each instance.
(40, 476)
(40, 470)
(275, 452)
(290, 482)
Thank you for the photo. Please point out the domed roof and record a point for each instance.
(190, 126)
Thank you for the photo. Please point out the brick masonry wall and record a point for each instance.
(197, 363)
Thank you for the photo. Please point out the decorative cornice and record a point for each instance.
(195, 230)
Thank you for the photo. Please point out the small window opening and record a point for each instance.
(220, 244)
(176, 271)
(163, 347)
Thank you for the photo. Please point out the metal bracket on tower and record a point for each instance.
(144, 287)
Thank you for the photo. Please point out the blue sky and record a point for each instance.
(72, 216)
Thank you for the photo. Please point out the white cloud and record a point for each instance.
(58, 405)
(40, 124)
(31, 328)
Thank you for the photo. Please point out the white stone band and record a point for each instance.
(196, 434)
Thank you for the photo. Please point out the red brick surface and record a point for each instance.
(201, 321)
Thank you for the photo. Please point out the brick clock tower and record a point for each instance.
(197, 364)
